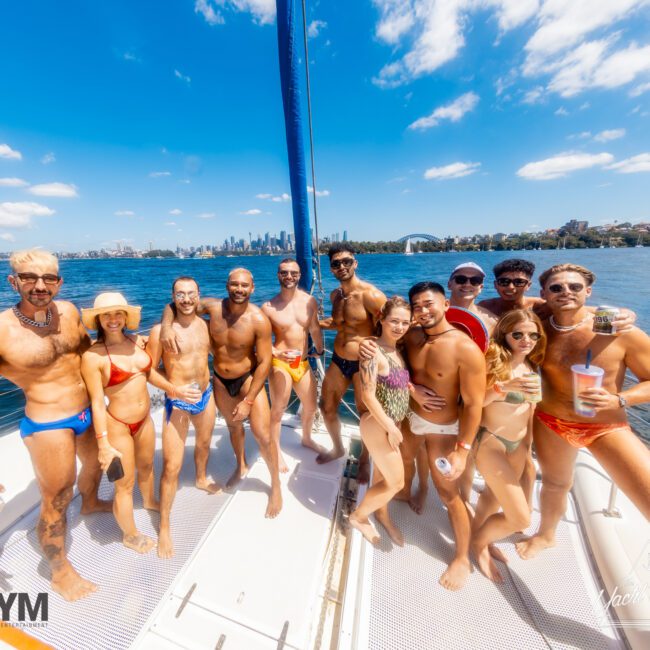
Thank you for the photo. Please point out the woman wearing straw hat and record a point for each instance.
(118, 367)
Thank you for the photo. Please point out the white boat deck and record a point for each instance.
(243, 581)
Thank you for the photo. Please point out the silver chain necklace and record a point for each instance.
(29, 321)
(566, 328)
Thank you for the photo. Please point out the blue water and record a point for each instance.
(620, 281)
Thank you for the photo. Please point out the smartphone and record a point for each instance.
(115, 470)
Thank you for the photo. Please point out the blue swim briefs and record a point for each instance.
(79, 423)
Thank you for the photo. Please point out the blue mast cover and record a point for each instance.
(290, 83)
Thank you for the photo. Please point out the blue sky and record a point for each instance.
(162, 121)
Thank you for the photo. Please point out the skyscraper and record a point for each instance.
(345, 235)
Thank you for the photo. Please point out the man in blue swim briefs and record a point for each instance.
(41, 342)
(188, 366)
(356, 306)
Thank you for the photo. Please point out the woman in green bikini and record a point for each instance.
(385, 392)
(516, 351)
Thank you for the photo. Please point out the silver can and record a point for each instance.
(604, 320)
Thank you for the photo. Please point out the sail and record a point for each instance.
(408, 250)
(288, 50)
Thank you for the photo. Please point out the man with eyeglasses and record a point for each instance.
(41, 342)
(559, 431)
(294, 316)
(465, 284)
(356, 306)
(512, 279)
(240, 335)
(189, 370)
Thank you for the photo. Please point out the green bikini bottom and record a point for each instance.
(510, 446)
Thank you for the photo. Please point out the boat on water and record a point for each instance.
(407, 249)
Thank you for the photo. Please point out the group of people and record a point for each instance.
(424, 390)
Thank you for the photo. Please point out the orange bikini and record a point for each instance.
(579, 434)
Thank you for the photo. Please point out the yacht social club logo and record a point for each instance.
(18, 609)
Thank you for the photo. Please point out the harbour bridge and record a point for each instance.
(419, 236)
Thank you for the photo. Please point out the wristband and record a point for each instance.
(466, 446)
(103, 434)
(250, 402)
(498, 388)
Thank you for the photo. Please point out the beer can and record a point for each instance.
(536, 396)
(603, 320)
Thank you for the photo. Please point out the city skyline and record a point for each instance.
(428, 117)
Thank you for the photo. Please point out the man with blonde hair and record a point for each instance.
(41, 342)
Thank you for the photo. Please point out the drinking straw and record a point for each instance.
(588, 363)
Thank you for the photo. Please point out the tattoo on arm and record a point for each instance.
(368, 372)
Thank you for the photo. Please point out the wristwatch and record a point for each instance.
(622, 402)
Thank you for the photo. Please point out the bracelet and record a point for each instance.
(250, 402)
(465, 445)
(103, 434)
(498, 388)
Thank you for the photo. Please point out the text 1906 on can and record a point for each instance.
(603, 319)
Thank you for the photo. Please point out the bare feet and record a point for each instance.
(238, 475)
(139, 543)
(417, 502)
(151, 504)
(311, 444)
(456, 574)
(275, 503)
(363, 475)
(497, 553)
(403, 495)
(485, 563)
(531, 546)
(366, 528)
(283, 468)
(165, 545)
(393, 531)
(71, 586)
(96, 505)
(204, 484)
(327, 456)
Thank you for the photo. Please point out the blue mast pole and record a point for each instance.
(290, 84)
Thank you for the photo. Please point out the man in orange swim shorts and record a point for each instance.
(559, 431)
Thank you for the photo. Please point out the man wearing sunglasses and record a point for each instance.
(512, 279)
(41, 342)
(294, 316)
(355, 310)
(193, 402)
(559, 432)
(465, 284)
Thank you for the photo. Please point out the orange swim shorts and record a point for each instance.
(580, 434)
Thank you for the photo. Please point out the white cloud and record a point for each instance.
(319, 193)
(175, 212)
(179, 75)
(640, 89)
(124, 213)
(263, 11)
(562, 112)
(583, 135)
(282, 198)
(159, 174)
(562, 165)
(20, 215)
(252, 212)
(58, 190)
(185, 181)
(534, 96)
(609, 134)
(455, 170)
(633, 165)
(10, 154)
(48, 158)
(315, 27)
(13, 182)
(452, 112)
(7, 236)
(206, 215)
(129, 56)
(170, 223)
(264, 196)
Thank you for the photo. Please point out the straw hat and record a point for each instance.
(109, 301)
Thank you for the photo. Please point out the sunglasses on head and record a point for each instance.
(347, 262)
(517, 282)
(474, 280)
(32, 278)
(573, 287)
(293, 274)
(533, 336)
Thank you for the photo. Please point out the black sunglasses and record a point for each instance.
(517, 282)
(533, 336)
(474, 280)
(347, 262)
(573, 287)
(32, 278)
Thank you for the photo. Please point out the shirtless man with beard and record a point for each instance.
(449, 363)
(294, 316)
(41, 342)
(188, 367)
(241, 343)
(356, 306)
(558, 430)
